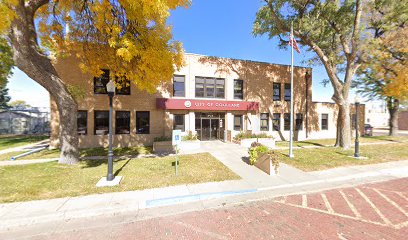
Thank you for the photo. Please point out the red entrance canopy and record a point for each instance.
(194, 104)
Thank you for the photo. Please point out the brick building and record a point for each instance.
(215, 98)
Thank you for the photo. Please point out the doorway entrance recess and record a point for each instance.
(210, 125)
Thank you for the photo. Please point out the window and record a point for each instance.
(276, 92)
(264, 121)
(276, 122)
(238, 89)
(287, 92)
(238, 122)
(143, 122)
(82, 122)
(179, 86)
(122, 122)
(178, 123)
(101, 122)
(210, 87)
(286, 122)
(100, 82)
(325, 121)
(124, 86)
(299, 122)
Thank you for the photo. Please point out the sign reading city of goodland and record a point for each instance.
(196, 104)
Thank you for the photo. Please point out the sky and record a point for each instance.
(208, 27)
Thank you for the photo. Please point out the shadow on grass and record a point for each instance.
(121, 168)
(311, 143)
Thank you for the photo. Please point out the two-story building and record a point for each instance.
(214, 98)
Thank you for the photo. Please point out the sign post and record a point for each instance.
(176, 140)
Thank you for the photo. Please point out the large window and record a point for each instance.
(325, 121)
(286, 122)
(209, 87)
(287, 91)
(238, 122)
(100, 82)
(276, 92)
(143, 122)
(101, 122)
(82, 122)
(179, 86)
(178, 122)
(238, 89)
(122, 122)
(264, 121)
(299, 122)
(276, 122)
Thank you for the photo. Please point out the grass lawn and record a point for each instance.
(331, 142)
(53, 180)
(16, 141)
(87, 152)
(312, 159)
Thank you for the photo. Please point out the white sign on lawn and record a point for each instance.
(176, 137)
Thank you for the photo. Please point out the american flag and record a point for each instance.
(293, 43)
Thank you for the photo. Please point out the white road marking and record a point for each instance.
(386, 220)
(304, 200)
(199, 230)
(351, 206)
(391, 202)
(327, 203)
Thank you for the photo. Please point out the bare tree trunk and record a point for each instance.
(393, 107)
(343, 138)
(29, 59)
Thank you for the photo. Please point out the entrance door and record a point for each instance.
(205, 129)
(215, 125)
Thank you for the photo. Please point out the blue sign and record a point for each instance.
(176, 137)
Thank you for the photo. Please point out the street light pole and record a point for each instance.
(111, 91)
(357, 142)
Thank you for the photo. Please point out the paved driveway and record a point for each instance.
(371, 211)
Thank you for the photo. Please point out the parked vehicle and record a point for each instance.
(368, 130)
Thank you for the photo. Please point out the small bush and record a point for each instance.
(189, 137)
(255, 150)
(246, 135)
(162, 139)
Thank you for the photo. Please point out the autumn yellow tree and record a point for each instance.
(383, 72)
(130, 37)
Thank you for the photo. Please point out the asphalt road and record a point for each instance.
(370, 211)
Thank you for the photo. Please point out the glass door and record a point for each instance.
(205, 129)
(215, 125)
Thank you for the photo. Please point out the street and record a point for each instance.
(369, 211)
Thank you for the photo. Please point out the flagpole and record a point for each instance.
(291, 95)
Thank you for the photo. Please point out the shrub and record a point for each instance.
(245, 135)
(255, 150)
(190, 136)
(162, 139)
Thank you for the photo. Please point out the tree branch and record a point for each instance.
(33, 5)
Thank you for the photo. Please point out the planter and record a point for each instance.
(269, 142)
(163, 147)
(190, 145)
(264, 163)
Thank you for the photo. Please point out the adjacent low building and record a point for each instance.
(214, 98)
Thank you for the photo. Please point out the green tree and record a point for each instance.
(129, 37)
(330, 29)
(383, 73)
(4, 98)
(19, 104)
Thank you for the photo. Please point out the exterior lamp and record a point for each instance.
(110, 88)
(357, 143)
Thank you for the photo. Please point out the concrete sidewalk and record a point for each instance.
(254, 184)
(26, 147)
